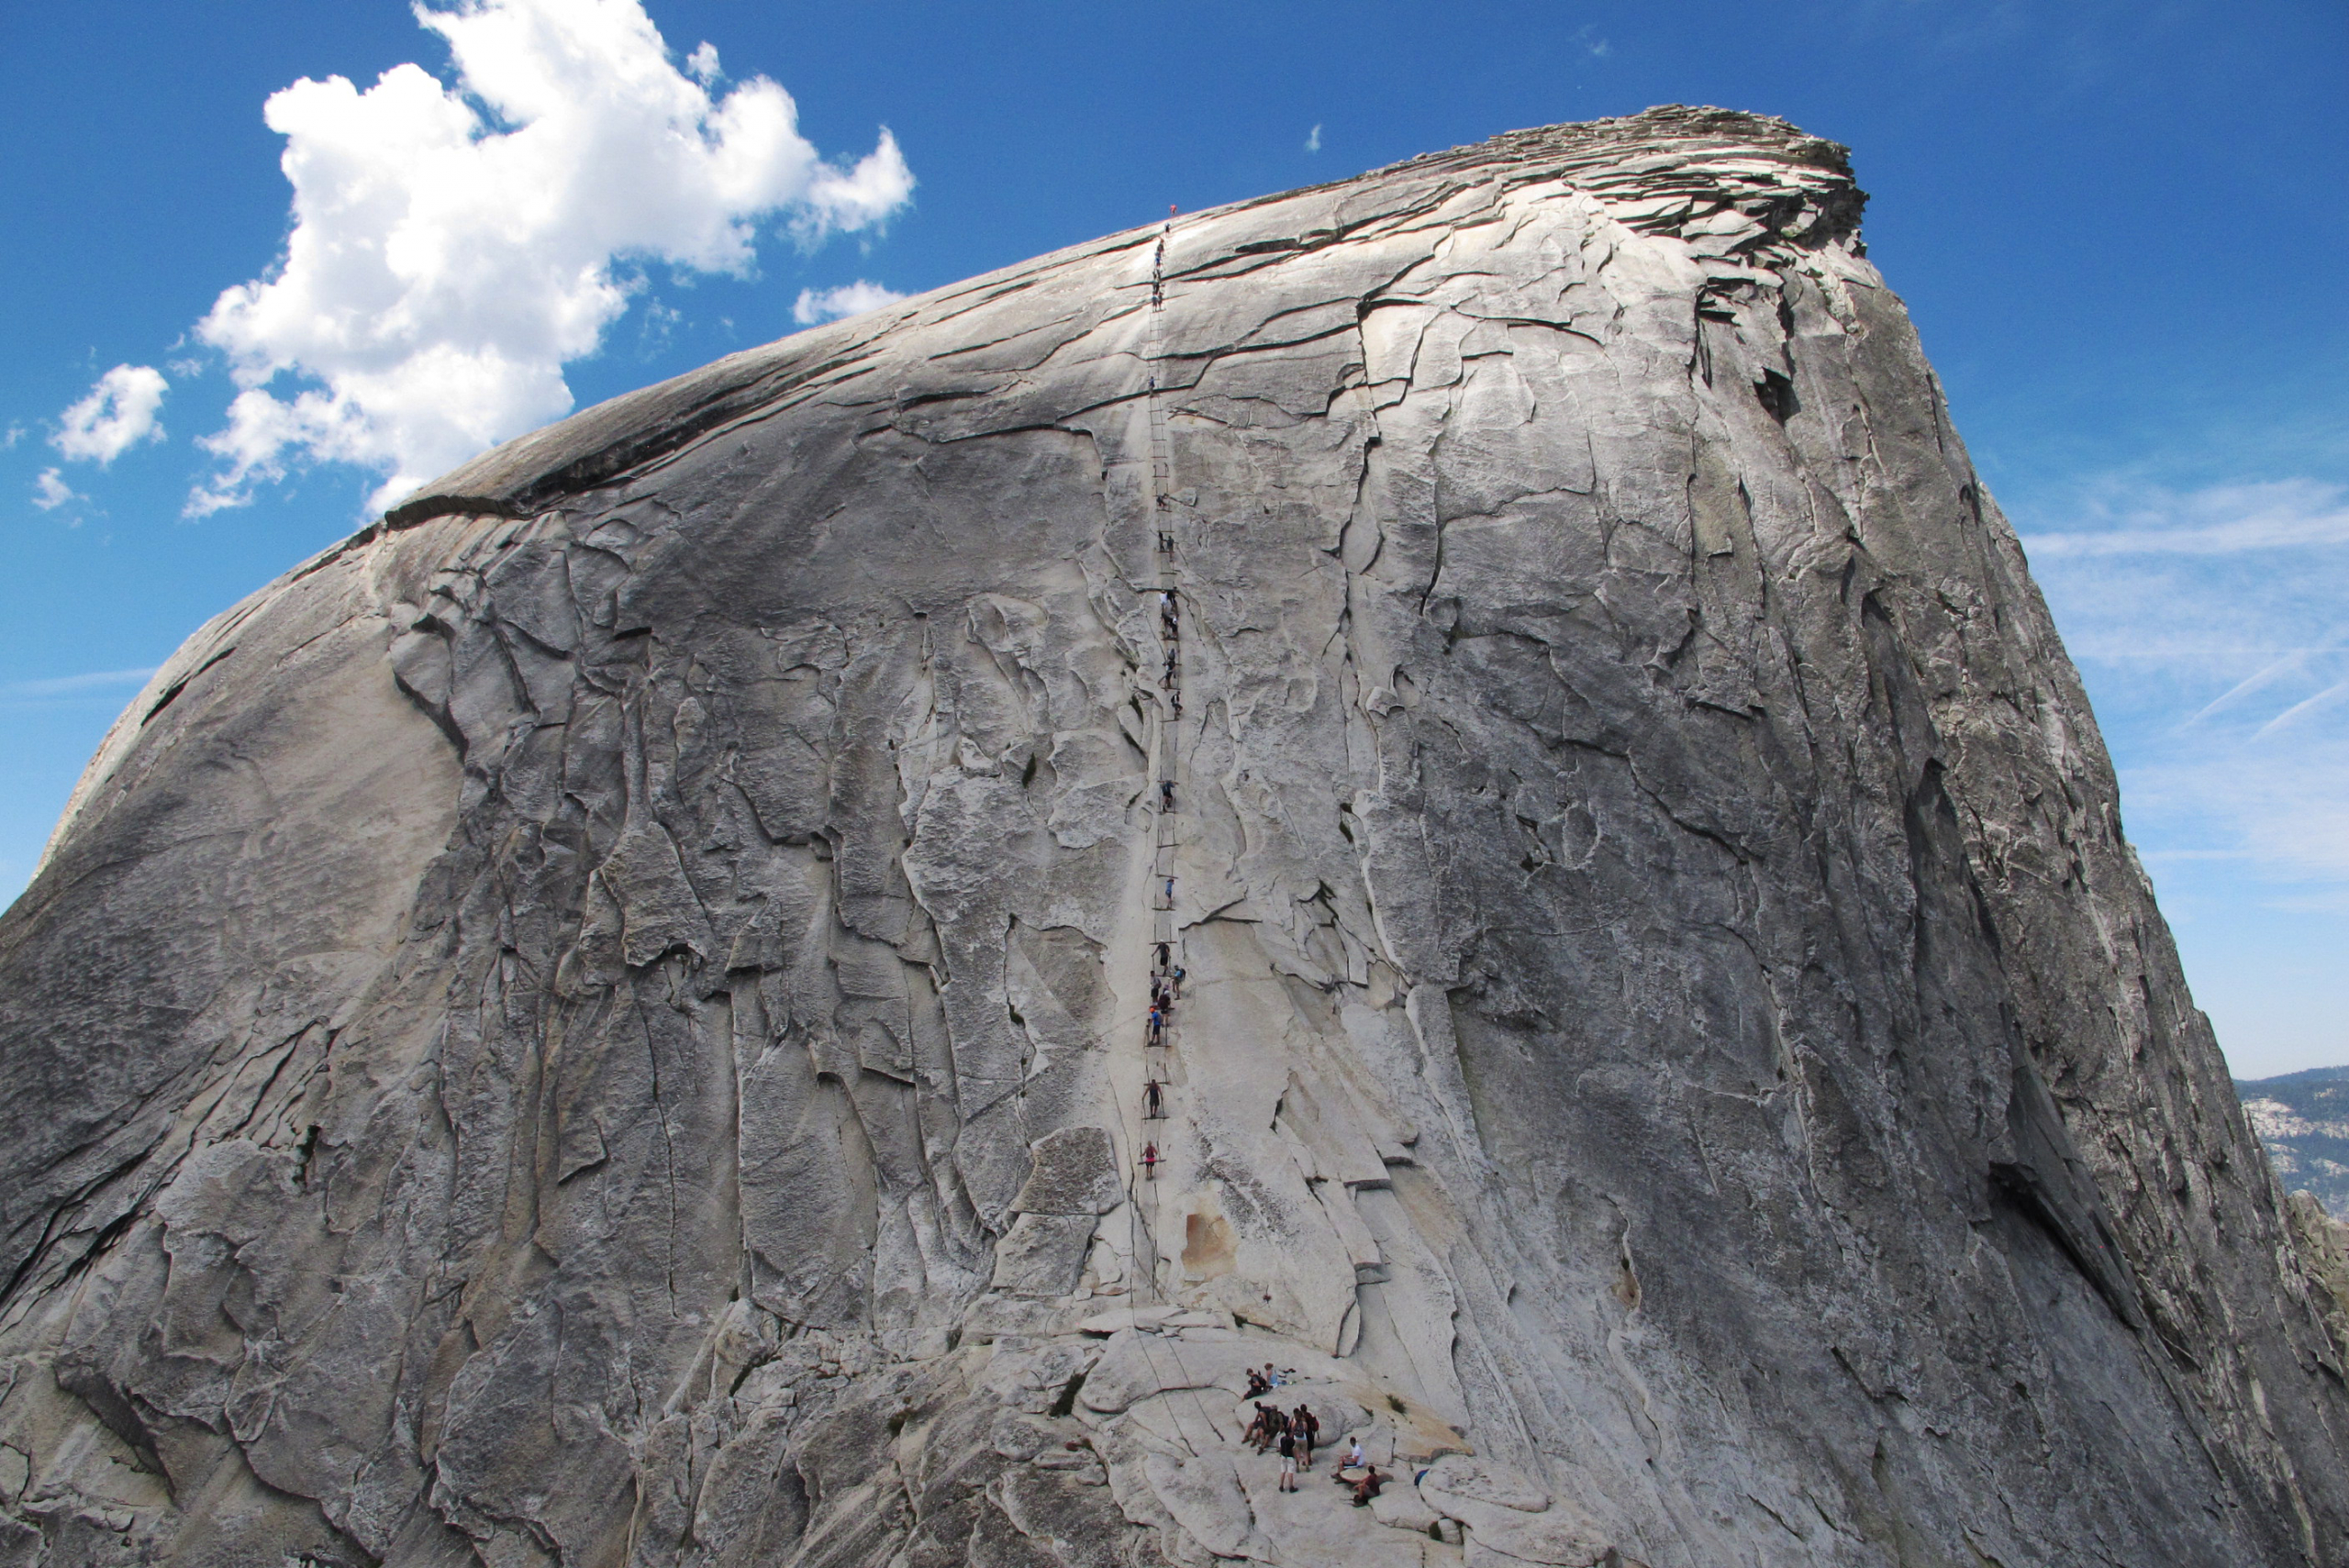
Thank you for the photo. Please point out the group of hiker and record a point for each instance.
(1294, 1433)
(1165, 988)
(1170, 629)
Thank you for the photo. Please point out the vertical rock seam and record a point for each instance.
(1447, 782)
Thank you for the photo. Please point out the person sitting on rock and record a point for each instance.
(1276, 1426)
(1260, 1431)
(1256, 1385)
(1345, 1474)
(1368, 1486)
(1355, 1458)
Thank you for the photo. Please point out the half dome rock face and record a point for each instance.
(1446, 783)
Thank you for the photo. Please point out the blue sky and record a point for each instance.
(2119, 226)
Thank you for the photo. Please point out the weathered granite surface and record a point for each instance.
(527, 1044)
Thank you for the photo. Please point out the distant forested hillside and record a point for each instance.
(2303, 1117)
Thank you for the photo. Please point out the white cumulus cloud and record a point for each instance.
(849, 299)
(453, 248)
(117, 415)
(51, 491)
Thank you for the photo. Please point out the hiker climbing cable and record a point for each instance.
(1150, 1162)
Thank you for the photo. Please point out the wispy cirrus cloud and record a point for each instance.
(2212, 626)
(73, 685)
(2220, 520)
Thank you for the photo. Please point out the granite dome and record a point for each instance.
(616, 1016)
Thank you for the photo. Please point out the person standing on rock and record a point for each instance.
(1288, 1462)
(1306, 1426)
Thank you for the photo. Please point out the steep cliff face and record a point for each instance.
(607, 1019)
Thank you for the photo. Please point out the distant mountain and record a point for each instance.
(2303, 1117)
